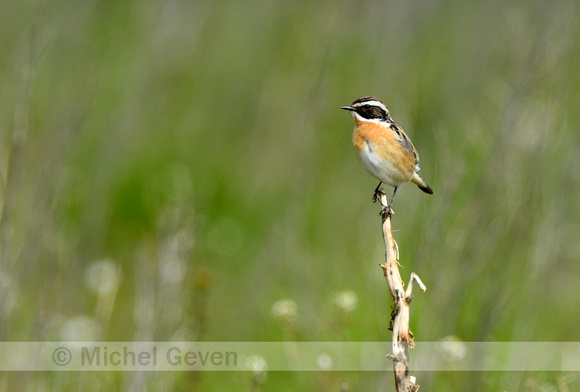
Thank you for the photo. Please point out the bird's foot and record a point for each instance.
(377, 195)
(387, 211)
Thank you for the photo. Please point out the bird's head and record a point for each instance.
(368, 109)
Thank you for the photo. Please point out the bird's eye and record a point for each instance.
(367, 107)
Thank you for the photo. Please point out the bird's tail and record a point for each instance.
(421, 184)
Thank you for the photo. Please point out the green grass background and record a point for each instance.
(199, 148)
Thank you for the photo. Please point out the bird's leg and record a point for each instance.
(386, 210)
(378, 193)
(389, 209)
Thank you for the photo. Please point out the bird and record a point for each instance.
(383, 148)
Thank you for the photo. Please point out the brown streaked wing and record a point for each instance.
(404, 139)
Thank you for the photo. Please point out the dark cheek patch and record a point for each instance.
(376, 113)
(373, 112)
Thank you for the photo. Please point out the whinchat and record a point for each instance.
(382, 146)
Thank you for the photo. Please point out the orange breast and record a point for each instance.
(397, 159)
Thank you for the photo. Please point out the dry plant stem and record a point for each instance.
(402, 335)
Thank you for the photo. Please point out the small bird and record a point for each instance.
(382, 146)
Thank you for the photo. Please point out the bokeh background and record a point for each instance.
(181, 170)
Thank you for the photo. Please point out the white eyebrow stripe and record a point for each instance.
(373, 103)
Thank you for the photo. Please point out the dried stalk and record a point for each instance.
(403, 338)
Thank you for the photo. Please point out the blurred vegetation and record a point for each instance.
(170, 170)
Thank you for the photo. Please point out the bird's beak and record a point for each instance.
(347, 107)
